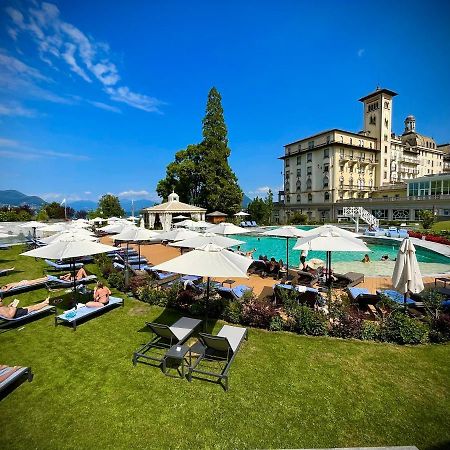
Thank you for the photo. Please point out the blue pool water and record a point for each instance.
(429, 261)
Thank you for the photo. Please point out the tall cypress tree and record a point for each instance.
(201, 174)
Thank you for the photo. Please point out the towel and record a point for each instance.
(300, 288)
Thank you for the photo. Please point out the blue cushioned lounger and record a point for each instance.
(66, 266)
(22, 288)
(86, 312)
(355, 292)
(5, 321)
(4, 247)
(55, 281)
(18, 374)
(235, 292)
(395, 296)
(5, 271)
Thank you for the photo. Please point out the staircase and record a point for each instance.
(358, 212)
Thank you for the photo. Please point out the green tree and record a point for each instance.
(42, 215)
(261, 209)
(57, 211)
(201, 173)
(110, 206)
(298, 219)
(427, 218)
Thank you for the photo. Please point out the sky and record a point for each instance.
(97, 96)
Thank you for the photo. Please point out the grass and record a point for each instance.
(286, 390)
(441, 226)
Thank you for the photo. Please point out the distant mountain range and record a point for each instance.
(89, 205)
(245, 201)
(16, 198)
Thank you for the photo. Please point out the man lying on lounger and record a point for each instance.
(10, 286)
(11, 312)
(79, 276)
(101, 296)
(4, 376)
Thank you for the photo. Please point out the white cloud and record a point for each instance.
(16, 110)
(87, 192)
(104, 106)
(18, 68)
(60, 40)
(133, 194)
(16, 150)
(361, 52)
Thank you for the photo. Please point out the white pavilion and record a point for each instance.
(166, 211)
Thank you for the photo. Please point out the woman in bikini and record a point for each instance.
(79, 276)
(101, 296)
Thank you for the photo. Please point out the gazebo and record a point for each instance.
(166, 211)
(216, 217)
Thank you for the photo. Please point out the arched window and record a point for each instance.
(309, 197)
(350, 182)
(325, 182)
(308, 183)
(326, 196)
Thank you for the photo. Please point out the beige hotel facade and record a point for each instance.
(336, 168)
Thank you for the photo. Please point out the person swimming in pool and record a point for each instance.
(366, 259)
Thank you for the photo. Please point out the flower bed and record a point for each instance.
(430, 237)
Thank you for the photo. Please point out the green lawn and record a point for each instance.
(441, 226)
(286, 391)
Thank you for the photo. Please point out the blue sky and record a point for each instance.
(97, 96)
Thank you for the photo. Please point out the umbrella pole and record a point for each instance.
(206, 304)
(74, 283)
(139, 254)
(126, 268)
(287, 258)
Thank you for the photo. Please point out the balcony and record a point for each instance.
(409, 171)
(409, 160)
(355, 187)
(421, 198)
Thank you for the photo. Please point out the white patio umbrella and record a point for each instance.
(55, 227)
(201, 225)
(69, 249)
(99, 220)
(286, 232)
(208, 261)
(117, 227)
(225, 228)
(332, 229)
(133, 219)
(80, 234)
(175, 235)
(188, 223)
(207, 238)
(330, 241)
(180, 217)
(241, 214)
(406, 276)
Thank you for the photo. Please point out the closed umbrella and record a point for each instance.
(208, 261)
(226, 228)
(69, 249)
(207, 238)
(286, 232)
(330, 241)
(406, 276)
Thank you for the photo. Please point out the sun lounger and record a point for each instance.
(5, 321)
(164, 337)
(161, 278)
(23, 288)
(305, 294)
(303, 278)
(85, 312)
(134, 269)
(4, 247)
(19, 374)
(362, 296)
(254, 224)
(348, 279)
(57, 282)
(221, 348)
(63, 266)
(395, 296)
(6, 271)
(235, 293)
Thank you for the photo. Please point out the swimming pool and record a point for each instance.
(429, 261)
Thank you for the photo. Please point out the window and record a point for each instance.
(328, 139)
(308, 183)
(309, 157)
(288, 198)
(309, 170)
(299, 173)
(299, 186)
(311, 144)
(299, 160)
(351, 141)
(386, 105)
(326, 196)
(385, 175)
(361, 143)
(325, 182)
(309, 198)
(385, 163)
(385, 149)
(386, 123)
(326, 153)
(326, 168)
(446, 186)
(286, 162)
(299, 147)
(370, 144)
(299, 198)
(385, 137)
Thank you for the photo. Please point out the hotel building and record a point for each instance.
(327, 171)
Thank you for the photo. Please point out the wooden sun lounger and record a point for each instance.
(20, 374)
(221, 348)
(164, 337)
(86, 313)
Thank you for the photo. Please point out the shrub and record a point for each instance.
(152, 296)
(258, 313)
(307, 321)
(137, 282)
(402, 329)
(232, 311)
(432, 300)
(346, 325)
(440, 329)
(370, 331)
(277, 324)
(117, 280)
(105, 264)
(427, 218)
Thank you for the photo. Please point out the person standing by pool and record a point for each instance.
(303, 257)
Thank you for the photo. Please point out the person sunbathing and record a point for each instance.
(101, 296)
(12, 312)
(5, 374)
(79, 276)
(9, 286)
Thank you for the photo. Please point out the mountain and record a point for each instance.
(82, 205)
(16, 198)
(89, 205)
(245, 201)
